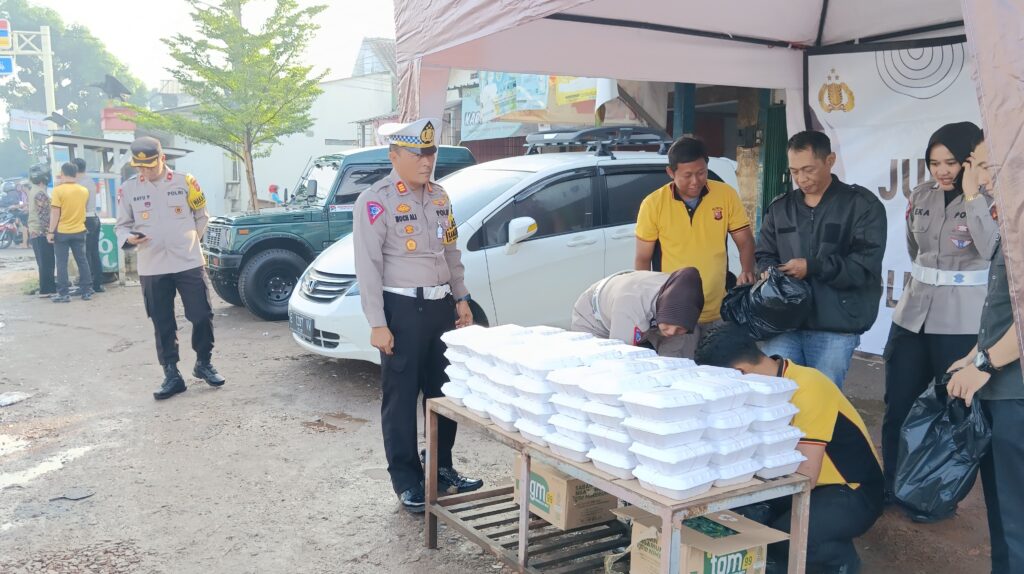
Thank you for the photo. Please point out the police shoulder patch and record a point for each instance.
(196, 199)
(638, 336)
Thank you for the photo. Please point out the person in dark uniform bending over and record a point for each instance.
(162, 215)
(410, 277)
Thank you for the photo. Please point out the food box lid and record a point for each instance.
(782, 459)
(544, 330)
(502, 411)
(765, 385)
(598, 408)
(734, 444)
(618, 383)
(551, 358)
(531, 385)
(623, 365)
(570, 401)
(712, 389)
(609, 433)
(589, 354)
(670, 363)
(685, 481)
(478, 366)
(457, 372)
(664, 428)
(673, 455)
(610, 457)
(731, 419)
(568, 423)
(476, 402)
(739, 468)
(533, 407)
(662, 398)
(534, 428)
(774, 413)
(779, 435)
(568, 443)
(457, 390)
(460, 337)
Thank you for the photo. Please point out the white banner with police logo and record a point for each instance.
(880, 108)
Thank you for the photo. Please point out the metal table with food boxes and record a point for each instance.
(502, 520)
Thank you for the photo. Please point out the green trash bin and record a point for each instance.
(108, 245)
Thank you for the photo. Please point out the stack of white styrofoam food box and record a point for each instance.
(678, 428)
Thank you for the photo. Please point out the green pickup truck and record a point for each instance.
(254, 259)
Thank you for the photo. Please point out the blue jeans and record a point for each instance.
(828, 352)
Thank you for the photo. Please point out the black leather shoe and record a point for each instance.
(451, 482)
(413, 500)
(205, 371)
(173, 383)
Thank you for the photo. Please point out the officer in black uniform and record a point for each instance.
(162, 214)
(410, 277)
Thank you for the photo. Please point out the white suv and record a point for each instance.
(584, 206)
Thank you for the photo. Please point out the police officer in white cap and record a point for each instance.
(410, 277)
(162, 214)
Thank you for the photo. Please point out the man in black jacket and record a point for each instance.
(832, 235)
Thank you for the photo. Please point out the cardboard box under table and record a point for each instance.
(500, 519)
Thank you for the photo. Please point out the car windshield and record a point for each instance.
(323, 174)
(472, 188)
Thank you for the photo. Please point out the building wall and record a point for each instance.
(211, 168)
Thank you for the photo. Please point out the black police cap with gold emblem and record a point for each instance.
(146, 152)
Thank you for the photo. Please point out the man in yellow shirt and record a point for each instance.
(689, 220)
(846, 476)
(67, 232)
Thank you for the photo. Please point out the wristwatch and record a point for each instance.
(466, 299)
(983, 363)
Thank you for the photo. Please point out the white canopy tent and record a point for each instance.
(724, 42)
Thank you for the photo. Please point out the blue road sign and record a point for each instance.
(6, 65)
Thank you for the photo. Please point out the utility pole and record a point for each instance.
(37, 44)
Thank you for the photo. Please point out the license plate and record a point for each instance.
(301, 325)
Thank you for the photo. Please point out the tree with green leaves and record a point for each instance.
(250, 87)
(80, 61)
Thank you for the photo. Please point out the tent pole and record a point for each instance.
(670, 29)
(821, 22)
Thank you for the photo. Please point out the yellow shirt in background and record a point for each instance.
(695, 241)
(71, 198)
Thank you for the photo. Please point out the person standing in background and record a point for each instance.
(38, 225)
(92, 227)
(951, 238)
(67, 232)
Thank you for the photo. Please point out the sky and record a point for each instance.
(132, 29)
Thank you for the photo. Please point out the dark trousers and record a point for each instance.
(912, 362)
(158, 293)
(74, 242)
(1002, 474)
(92, 249)
(45, 263)
(417, 366)
(838, 515)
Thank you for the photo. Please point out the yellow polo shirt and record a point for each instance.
(695, 241)
(71, 198)
(828, 418)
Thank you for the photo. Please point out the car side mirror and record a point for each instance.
(519, 230)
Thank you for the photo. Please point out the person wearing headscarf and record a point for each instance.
(639, 307)
(951, 236)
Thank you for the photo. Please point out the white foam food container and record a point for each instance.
(534, 432)
(607, 388)
(663, 404)
(455, 391)
(624, 365)
(673, 461)
(709, 371)
(538, 364)
(502, 378)
(732, 450)
(616, 464)
(570, 406)
(634, 353)
(571, 449)
(607, 415)
(676, 487)
(568, 381)
(589, 354)
(457, 339)
(480, 386)
(503, 415)
(533, 411)
(737, 473)
(768, 391)
(602, 342)
(780, 464)
(478, 366)
(720, 393)
(727, 424)
(609, 439)
(456, 372)
(456, 356)
(771, 418)
(778, 441)
(570, 427)
(664, 435)
(533, 389)
(544, 330)
(571, 336)
(671, 363)
(477, 404)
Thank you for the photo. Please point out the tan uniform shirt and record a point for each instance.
(88, 183)
(626, 304)
(404, 238)
(172, 213)
(959, 237)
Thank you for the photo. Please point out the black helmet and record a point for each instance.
(8, 187)
(39, 174)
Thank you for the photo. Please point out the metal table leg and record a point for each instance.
(430, 478)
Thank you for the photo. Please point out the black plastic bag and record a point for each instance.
(942, 442)
(772, 306)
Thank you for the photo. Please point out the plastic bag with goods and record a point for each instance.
(774, 305)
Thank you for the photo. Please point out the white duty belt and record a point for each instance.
(433, 293)
(932, 276)
(595, 299)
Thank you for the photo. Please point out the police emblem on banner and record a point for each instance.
(835, 96)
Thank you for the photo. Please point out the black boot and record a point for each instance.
(205, 371)
(173, 383)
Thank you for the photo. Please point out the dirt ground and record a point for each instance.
(280, 471)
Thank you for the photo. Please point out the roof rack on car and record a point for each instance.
(599, 140)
